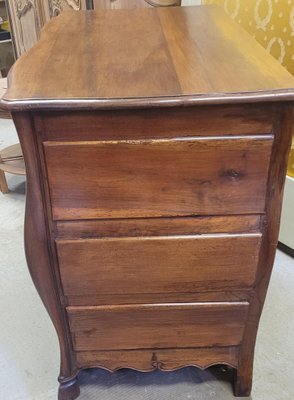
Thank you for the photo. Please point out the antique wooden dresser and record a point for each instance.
(156, 145)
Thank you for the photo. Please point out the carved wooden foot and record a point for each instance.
(242, 382)
(69, 390)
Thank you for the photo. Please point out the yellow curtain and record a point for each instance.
(271, 22)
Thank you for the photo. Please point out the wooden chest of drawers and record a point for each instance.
(156, 150)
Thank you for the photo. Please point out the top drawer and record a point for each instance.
(155, 178)
(157, 123)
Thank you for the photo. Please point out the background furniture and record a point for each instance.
(155, 181)
(3, 88)
(11, 161)
(27, 17)
(11, 158)
(7, 55)
(117, 4)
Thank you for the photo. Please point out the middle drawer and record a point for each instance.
(163, 264)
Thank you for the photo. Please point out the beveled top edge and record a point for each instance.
(283, 91)
(283, 95)
(152, 102)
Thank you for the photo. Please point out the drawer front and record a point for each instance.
(157, 326)
(123, 179)
(175, 264)
(157, 123)
(158, 226)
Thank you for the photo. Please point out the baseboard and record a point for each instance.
(286, 249)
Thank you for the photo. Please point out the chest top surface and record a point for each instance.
(145, 57)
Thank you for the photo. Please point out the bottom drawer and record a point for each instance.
(146, 326)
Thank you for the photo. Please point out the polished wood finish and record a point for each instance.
(157, 123)
(276, 180)
(162, 359)
(157, 326)
(158, 226)
(38, 253)
(167, 297)
(169, 69)
(27, 17)
(141, 260)
(151, 228)
(128, 183)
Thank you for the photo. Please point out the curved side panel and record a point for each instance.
(37, 247)
(271, 223)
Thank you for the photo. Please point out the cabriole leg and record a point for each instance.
(243, 382)
(69, 390)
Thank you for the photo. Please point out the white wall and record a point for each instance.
(190, 2)
(287, 221)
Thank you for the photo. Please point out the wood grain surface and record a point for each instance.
(157, 123)
(151, 231)
(156, 326)
(191, 55)
(163, 359)
(139, 227)
(158, 265)
(157, 178)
